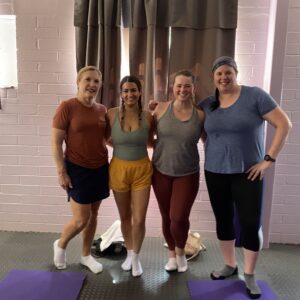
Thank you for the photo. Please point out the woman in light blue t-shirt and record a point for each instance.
(236, 161)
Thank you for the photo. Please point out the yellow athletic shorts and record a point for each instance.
(127, 175)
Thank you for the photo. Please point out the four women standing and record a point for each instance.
(235, 162)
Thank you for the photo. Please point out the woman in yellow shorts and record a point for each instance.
(130, 169)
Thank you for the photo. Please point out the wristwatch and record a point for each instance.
(269, 158)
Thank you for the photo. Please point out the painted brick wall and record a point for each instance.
(285, 221)
(30, 198)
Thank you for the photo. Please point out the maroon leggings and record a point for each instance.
(175, 197)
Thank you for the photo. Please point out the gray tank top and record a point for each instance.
(130, 145)
(176, 151)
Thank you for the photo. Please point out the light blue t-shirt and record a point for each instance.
(235, 135)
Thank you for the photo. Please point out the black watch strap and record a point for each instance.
(269, 158)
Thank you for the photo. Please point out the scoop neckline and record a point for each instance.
(235, 103)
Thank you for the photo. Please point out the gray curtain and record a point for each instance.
(98, 42)
(164, 37)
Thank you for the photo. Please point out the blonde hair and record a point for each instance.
(88, 68)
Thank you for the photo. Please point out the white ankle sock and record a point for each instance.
(59, 259)
(181, 263)
(126, 265)
(91, 263)
(171, 264)
(137, 269)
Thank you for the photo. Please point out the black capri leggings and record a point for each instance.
(224, 191)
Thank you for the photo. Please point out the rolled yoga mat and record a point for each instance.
(41, 285)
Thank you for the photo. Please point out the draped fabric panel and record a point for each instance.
(98, 42)
(167, 36)
(164, 37)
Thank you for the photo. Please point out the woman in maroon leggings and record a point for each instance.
(176, 165)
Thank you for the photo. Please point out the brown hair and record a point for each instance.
(186, 73)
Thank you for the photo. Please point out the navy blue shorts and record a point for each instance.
(89, 185)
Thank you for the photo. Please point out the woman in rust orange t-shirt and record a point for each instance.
(82, 165)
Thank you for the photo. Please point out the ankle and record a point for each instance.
(227, 271)
(181, 261)
(126, 265)
(137, 269)
(171, 264)
(91, 263)
(253, 290)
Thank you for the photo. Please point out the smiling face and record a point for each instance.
(225, 78)
(89, 83)
(130, 94)
(183, 88)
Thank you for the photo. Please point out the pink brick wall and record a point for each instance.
(285, 221)
(30, 199)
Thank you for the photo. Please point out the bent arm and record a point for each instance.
(280, 121)
(151, 123)
(282, 124)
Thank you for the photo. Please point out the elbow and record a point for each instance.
(290, 125)
(287, 125)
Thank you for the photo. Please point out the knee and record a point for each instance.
(251, 239)
(126, 218)
(138, 223)
(93, 215)
(81, 223)
(225, 231)
(179, 226)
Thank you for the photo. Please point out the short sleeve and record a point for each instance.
(61, 117)
(205, 103)
(265, 102)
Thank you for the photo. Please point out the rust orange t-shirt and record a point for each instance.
(85, 132)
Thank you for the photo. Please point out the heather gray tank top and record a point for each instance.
(176, 151)
(130, 145)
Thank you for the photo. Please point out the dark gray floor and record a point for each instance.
(279, 266)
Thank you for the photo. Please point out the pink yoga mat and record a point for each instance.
(41, 285)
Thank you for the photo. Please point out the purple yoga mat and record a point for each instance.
(37, 285)
(226, 290)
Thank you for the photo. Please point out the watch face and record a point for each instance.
(269, 158)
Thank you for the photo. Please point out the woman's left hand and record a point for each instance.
(258, 170)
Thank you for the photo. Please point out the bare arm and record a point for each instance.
(160, 109)
(201, 115)
(280, 121)
(108, 129)
(151, 122)
(282, 124)
(57, 138)
(203, 136)
(152, 105)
